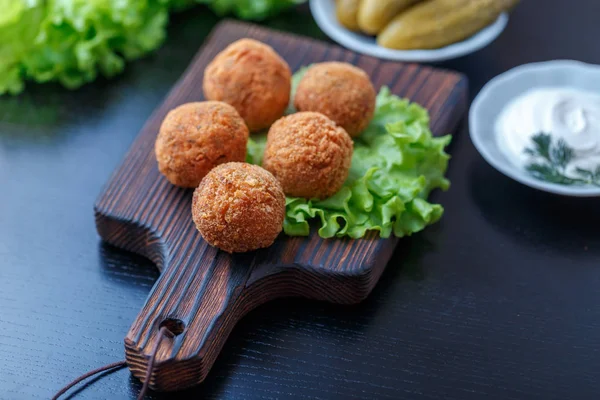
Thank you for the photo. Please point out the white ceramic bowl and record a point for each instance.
(324, 13)
(499, 91)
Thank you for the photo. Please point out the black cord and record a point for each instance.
(164, 333)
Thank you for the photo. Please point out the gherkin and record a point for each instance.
(438, 23)
(374, 15)
(347, 13)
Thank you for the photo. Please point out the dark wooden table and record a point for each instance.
(499, 300)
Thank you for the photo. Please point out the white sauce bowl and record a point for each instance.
(497, 93)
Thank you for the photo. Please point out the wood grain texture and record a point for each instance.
(208, 290)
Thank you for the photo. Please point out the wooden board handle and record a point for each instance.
(199, 298)
(202, 293)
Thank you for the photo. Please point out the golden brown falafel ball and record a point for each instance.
(239, 207)
(309, 154)
(340, 91)
(196, 137)
(253, 78)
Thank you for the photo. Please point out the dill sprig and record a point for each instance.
(553, 160)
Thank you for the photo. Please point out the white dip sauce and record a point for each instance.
(564, 113)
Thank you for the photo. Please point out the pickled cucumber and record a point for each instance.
(347, 13)
(374, 15)
(438, 23)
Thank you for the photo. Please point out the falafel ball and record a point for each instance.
(309, 154)
(196, 137)
(340, 91)
(251, 77)
(239, 207)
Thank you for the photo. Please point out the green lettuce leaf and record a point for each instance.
(395, 165)
(72, 41)
(249, 9)
(19, 21)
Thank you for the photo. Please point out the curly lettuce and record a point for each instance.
(73, 41)
(249, 9)
(396, 163)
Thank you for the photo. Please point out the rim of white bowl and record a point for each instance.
(327, 21)
(506, 167)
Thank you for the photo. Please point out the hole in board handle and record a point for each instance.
(174, 325)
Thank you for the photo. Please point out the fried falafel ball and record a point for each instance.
(239, 207)
(340, 91)
(251, 77)
(196, 137)
(309, 154)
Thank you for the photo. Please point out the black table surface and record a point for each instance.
(500, 299)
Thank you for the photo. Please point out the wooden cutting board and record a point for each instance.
(202, 292)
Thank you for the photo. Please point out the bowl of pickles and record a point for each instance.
(413, 30)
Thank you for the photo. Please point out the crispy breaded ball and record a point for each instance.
(196, 137)
(309, 154)
(239, 207)
(339, 90)
(253, 78)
